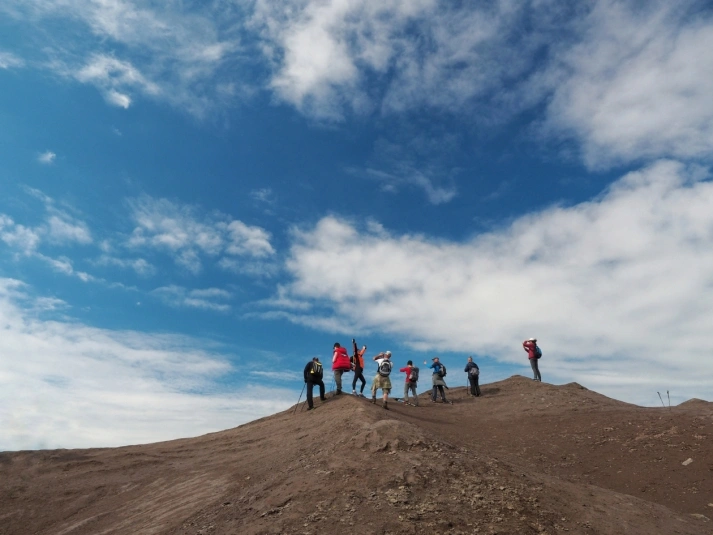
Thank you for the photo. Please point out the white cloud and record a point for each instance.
(65, 384)
(9, 60)
(47, 157)
(613, 286)
(113, 76)
(64, 228)
(327, 54)
(246, 240)
(188, 235)
(172, 52)
(18, 236)
(206, 299)
(638, 85)
(139, 265)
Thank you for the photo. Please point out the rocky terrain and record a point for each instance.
(525, 457)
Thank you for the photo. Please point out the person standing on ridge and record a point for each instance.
(439, 372)
(340, 364)
(313, 376)
(471, 368)
(358, 369)
(411, 382)
(533, 353)
(381, 379)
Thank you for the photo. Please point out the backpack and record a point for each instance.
(474, 372)
(538, 352)
(317, 371)
(385, 368)
(442, 371)
(413, 378)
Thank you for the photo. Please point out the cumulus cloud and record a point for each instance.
(638, 85)
(188, 235)
(611, 286)
(206, 299)
(79, 386)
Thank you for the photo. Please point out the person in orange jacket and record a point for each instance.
(358, 369)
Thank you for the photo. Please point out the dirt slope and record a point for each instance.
(524, 458)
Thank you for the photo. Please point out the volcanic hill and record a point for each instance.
(524, 458)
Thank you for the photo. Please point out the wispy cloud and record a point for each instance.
(47, 157)
(9, 60)
(140, 265)
(621, 281)
(114, 78)
(78, 386)
(127, 49)
(206, 299)
(189, 235)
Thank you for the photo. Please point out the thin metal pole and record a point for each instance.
(299, 398)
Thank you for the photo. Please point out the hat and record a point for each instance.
(387, 353)
(409, 363)
(532, 340)
(434, 358)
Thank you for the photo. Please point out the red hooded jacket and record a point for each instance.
(340, 360)
(529, 346)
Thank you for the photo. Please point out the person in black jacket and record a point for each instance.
(471, 368)
(313, 376)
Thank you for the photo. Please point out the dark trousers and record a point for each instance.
(359, 374)
(474, 388)
(310, 385)
(535, 370)
(436, 389)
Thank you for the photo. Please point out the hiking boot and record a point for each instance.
(310, 408)
(323, 399)
(354, 393)
(385, 405)
(338, 392)
(373, 400)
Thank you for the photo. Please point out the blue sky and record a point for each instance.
(198, 197)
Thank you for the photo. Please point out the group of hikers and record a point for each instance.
(343, 363)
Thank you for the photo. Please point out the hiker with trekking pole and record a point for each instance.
(313, 374)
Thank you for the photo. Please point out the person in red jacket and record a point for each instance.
(411, 382)
(530, 346)
(340, 364)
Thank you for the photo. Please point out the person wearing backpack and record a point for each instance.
(340, 364)
(439, 372)
(381, 379)
(533, 354)
(411, 382)
(313, 374)
(471, 368)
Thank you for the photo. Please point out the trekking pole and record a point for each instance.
(299, 398)
(669, 400)
(662, 403)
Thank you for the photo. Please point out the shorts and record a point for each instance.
(381, 382)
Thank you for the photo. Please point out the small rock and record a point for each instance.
(687, 462)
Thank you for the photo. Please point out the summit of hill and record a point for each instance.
(525, 457)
